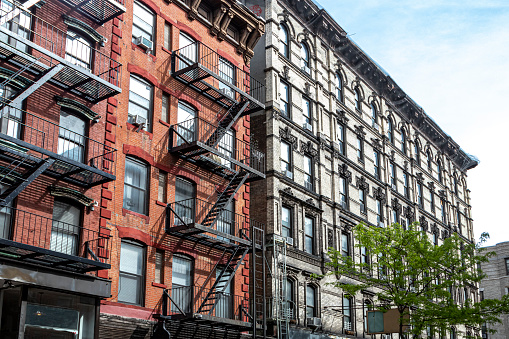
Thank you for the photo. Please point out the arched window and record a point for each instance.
(455, 182)
(374, 116)
(453, 333)
(311, 301)
(357, 99)
(289, 285)
(417, 152)
(439, 171)
(429, 160)
(78, 50)
(283, 41)
(304, 55)
(339, 87)
(390, 131)
(403, 141)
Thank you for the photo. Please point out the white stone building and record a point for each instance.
(344, 144)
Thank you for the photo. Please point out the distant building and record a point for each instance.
(496, 284)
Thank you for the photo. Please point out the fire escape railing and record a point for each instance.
(41, 240)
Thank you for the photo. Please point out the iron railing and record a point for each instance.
(21, 125)
(226, 75)
(88, 71)
(190, 211)
(100, 11)
(286, 311)
(24, 227)
(186, 134)
(189, 299)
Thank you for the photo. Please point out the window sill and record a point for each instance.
(160, 203)
(144, 217)
(159, 285)
(166, 50)
(164, 123)
(136, 47)
(131, 127)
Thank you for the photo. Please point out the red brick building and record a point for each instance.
(56, 73)
(182, 240)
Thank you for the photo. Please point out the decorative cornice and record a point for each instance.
(307, 148)
(286, 134)
(77, 107)
(18, 81)
(65, 192)
(396, 206)
(84, 29)
(362, 184)
(379, 194)
(344, 172)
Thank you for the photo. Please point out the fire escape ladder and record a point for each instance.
(227, 121)
(238, 179)
(46, 76)
(223, 280)
(24, 180)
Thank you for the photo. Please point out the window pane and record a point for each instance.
(159, 267)
(131, 258)
(135, 186)
(161, 194)
(129, 289)
(167, 36)
(181, 271)
(286, 222)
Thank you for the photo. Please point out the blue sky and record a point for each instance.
(452, 58)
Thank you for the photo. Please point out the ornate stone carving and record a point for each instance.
(379, 194)
(287, 191)
(396, 206)
(58, 191)
(342, 117)
(362, 184)
(359, 130)
(431, 185)
(419, 177)
(307, 148)
(286, 73)
(344, 172)
(377, 144)
(423, 222)
(286, 134)
(409, 213)
(307, 89)
(442, 194)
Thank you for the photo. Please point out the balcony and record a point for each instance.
(211, 147)
(35, 46)
(30, 238)
(27, 140)
(190, 219)
(190, 303)
(100, 11)
(211, 75)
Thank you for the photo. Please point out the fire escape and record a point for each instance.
(37, 53)
(210, 222)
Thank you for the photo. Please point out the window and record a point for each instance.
(341, 139)
(140, 102)
(306, 106)
(364, 255)
(392, 172)
(442, 211)
(185, 193)
(286, 222)
(406, 187)
(227, 74)
(186, 123)
(455, 183)
(403, 141)
(390, 131)
(159, 267)
(188, 50)
(309, 232)
(347, 312)
(417, 153)
(304, 56)
(357, 94)
(362, 201)
(289, 298)
(435, 238)
(10, 116)
(225, 223)
(226, 147)
(308, 173)
(165, 107)
(71, 137)
(376, 162)
(420, 198)
(439, 172)
(162, 187)
(182, 282)
(143, 23)
(368, 306)
(360, 149)
(78, 50)
(132, 273)
(135, 186)
(395, 216)
(286, 159)
(343, 192)
(453, 333)
(310, 301)
(232, 32)
(65, 229)
(283, 41)
(374, 117)
(507, 266)
(5, 217)
(284, 99)
(339, 87)
(19, 25)
(379, 213)
(429, 160)
(167, 36)
(345, 245)
(432, 200)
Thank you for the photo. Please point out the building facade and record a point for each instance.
(344, 145)
(496, 284)
(184, 248)
(57, 72)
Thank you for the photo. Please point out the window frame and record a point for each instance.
(362, 201)
(164, 193)
(376, 163)
(390, 130)
(357, 100)
(289, 162)
(305, 57)
(289, 228)
(146, 190)
(348, 312)
(75, 140)
(417, 153)
(341, 138)
(420, 197)
(140, 277)
(345, 244)
(393, 176)
(339, 87)
(403, 142)
(63, 228)
(144, 32)
(83, 44)
(309, 178)
(379, 212)
(406, 185)
(374, 117)
(287, 104)
(284, 45)
(309, 236)
(311, 309)
(360, 149)
(307, 113)
(343, 192)
(149, 108)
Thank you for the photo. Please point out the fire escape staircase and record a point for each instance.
(223, 279)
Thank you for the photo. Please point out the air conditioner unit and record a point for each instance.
(306, 69)
(308, 126)
(288, 174)
(308, 185)
(289, 241)
(143, 42)
(314, 322)
(227, 92)
(138, 120)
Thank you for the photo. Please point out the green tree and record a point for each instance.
(419, 278)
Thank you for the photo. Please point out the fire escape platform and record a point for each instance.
(212, 320)
(99, 11)
(46, 47)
